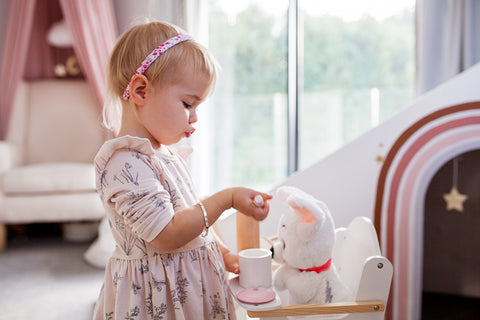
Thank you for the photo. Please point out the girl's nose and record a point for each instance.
(193, 116)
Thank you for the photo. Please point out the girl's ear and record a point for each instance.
(139, 86)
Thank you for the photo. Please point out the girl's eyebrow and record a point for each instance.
(194, 96)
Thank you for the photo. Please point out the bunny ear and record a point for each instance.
(304, 213)
(306, 207)
(302, 203)
(284, 192)
(309, 224)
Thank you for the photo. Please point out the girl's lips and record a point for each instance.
(188, 134)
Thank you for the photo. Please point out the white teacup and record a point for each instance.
(255, 268)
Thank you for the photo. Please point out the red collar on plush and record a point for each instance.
(318, 269)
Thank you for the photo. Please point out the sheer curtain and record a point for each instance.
(447, 40)
(130, 12)
(94, 33)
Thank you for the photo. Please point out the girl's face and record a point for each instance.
(171, 107)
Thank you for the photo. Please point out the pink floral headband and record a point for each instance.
(157, 52)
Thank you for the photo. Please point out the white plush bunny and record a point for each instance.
(304, 251)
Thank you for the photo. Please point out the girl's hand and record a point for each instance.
(243, 200)
(231, 262)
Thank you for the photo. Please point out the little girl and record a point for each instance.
(166, 264)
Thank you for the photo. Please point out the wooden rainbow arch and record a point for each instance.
(411, 163)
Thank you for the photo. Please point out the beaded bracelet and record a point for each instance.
(200, 204)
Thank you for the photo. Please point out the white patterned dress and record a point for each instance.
(141, 189)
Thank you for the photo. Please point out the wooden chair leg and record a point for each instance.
(3, 237)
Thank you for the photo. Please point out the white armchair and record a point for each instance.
(46, 161)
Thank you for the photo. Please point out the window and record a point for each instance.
(355, 69)
(247, 113)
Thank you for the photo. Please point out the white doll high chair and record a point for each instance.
(360, 264)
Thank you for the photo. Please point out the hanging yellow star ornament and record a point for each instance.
(455, 199)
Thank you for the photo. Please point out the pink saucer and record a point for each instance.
(257, 295)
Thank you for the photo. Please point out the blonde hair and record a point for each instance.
(133, 47)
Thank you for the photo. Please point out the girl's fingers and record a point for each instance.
(261, 213)
(266, 196)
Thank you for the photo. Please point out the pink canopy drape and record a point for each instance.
(94, 33)
(17, 38)
(93, 27)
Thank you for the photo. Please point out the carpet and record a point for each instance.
(47, 278)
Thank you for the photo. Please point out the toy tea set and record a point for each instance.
(306, 235)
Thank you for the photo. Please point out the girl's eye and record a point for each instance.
(186, 105)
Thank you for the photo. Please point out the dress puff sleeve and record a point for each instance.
(128, 183)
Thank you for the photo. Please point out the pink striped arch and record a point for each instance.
(411, 163)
